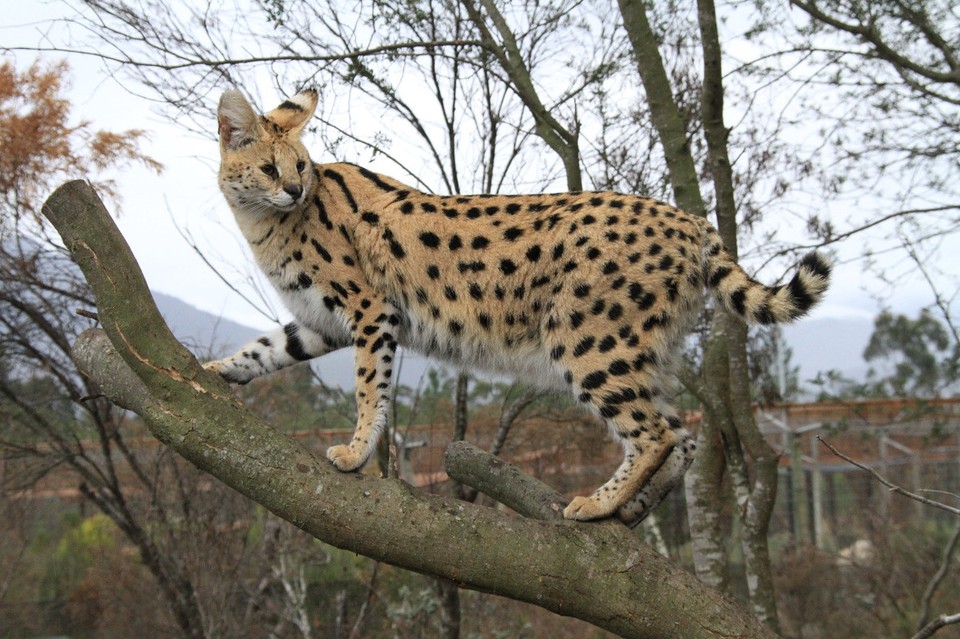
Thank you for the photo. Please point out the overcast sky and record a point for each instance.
(186, 195)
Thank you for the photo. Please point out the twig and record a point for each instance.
(217, 63)
(371, 593)
(936, 624)
(886, 482)
(937, 578)
(82, 312)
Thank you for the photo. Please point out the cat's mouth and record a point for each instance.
(285, 206)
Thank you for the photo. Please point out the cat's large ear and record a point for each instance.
(237, 121)
(295, 112)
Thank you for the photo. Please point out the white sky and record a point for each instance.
(186, 196)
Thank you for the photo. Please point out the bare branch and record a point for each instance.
(870, 35)
(233, 62)
(937, 578)
(886, 482)
(931, 628)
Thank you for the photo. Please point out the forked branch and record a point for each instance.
(599, 573)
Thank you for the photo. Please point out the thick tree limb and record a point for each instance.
(598, 573)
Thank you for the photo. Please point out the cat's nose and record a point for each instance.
(293, 190)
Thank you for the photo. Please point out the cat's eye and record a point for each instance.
(301, 165)
(270, 170)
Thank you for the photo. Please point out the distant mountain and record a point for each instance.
(209, 336)
(818, 344)
(205, 334)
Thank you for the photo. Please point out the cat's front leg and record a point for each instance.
(278, 349)
(375, 344)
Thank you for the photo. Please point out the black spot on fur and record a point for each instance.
(619, 367)
(322, 252)
(739, 300)
(430, 240)
(512, 233)
(607, 344)
(718, 276)
(594, 380)
(294, 346)
(583, 346)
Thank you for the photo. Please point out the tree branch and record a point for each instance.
(503, 481)
(563, 141)
(869, 34)
(937, 579)
(889, 484)
(598, 573)
(229, 62)
(931, 628)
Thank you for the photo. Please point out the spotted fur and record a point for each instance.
(586, 292)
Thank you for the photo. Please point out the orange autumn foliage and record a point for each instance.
(40, 146)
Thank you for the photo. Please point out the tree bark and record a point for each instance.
(597, 572)
(664, 113)
(755, 500)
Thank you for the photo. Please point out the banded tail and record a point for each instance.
(760, 304)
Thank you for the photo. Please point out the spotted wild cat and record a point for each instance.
(585, 292)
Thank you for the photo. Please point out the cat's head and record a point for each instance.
(264, 166)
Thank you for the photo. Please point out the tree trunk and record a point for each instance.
(703, 489)
(597, 572)
(726, 384)
(664, 113)
(756, 501)
(449, 609)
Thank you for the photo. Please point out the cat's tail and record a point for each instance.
(756, 302)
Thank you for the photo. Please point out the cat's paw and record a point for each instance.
(345, 458)
(588, 508)
(217, 366)
(229, 371)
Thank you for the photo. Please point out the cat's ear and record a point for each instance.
(237, 121)
(293, 114)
